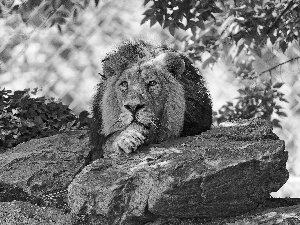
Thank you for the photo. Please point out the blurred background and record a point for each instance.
(66, 65)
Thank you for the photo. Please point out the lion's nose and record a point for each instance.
(134, 107)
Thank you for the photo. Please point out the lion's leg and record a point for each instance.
(127, 140)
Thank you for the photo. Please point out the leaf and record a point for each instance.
(146, 2)
(216, 10)
(200, 24)
(273, 39)
(62, 13)
(193, 3)
(29, 123)
(283, 45)
(148, 12)
(34, 91)
(278, 85)
(283, 100)
(75, 14)
(241, 91)
(86, 3)
(96, 2)
(207, 62)
(61, 20)
(229, 103)
(56, 4)
(166, 23)
(52, 23)
(205, 15)
(146, 18)
(152, 21)
(276, 123)
(283, 114)
(45, 6)
(235, 50)
(172, 29)
(70, 124)
(185, 37)
(59, 28)
(160, 19)
(38, 120)
(27, 90)
(180, 25)
(193, 29)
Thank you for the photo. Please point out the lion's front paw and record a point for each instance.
(128, 140)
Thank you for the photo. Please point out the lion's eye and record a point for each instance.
(152, 83)
(124, 84)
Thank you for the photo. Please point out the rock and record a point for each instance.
(243, 130)
(16, 213)
(40, 167)
(10, 192)
(223, 172)
(282, 215)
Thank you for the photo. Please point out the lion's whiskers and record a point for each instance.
(117, 121)
(154, 124)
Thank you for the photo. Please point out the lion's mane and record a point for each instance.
(187, 110)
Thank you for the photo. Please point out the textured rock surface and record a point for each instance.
(223, 172)
(17, 213)
(279, 216)
(41, 167)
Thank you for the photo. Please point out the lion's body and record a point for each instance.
(150, 94)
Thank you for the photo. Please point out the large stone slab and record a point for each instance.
(42, 166)
(223, 172)
(289, 215)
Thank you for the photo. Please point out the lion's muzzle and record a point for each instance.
(135, 111)
(134, 106)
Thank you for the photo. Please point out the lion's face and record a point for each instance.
(141, 95)
(145, 94)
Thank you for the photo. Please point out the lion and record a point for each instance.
(149, 94)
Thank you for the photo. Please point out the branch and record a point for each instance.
(280, 64)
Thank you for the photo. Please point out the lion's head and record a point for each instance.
(153, 89)
(146, 93)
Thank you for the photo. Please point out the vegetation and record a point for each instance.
(24, 117)
(238, 31)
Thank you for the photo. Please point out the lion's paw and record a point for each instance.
(128, 140)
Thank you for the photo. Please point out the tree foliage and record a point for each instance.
(24, 117)
(239, 29)
(241, 24)
(45, 12)
(236, 29)
(254, 102)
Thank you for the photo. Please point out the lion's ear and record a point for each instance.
(172, 62)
